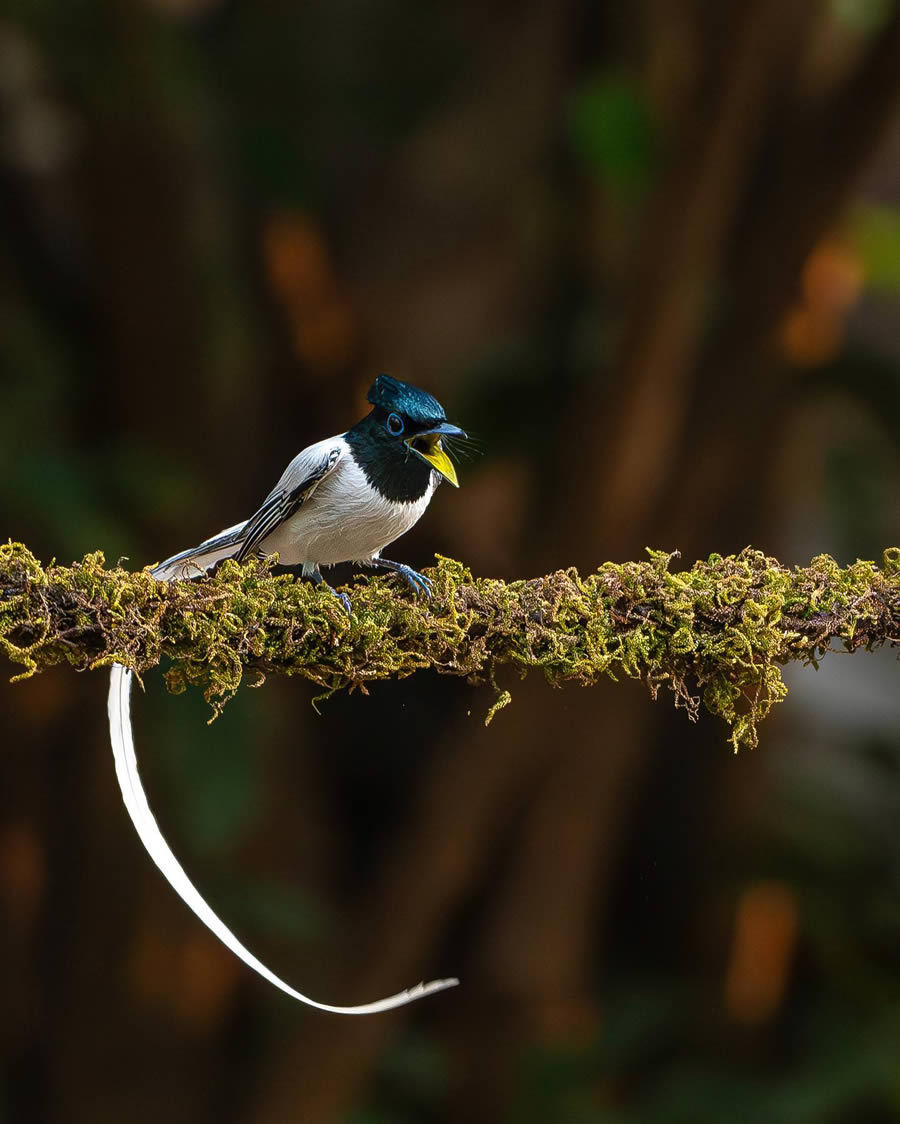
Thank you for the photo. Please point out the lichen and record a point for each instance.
(716, 635)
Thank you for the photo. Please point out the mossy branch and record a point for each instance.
(716, 634)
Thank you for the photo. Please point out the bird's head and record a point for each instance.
(413, 420)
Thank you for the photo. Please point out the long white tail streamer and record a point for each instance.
(159, 850)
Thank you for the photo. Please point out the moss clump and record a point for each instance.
(716, 635)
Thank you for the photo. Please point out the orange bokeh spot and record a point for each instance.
(301, 276)
(765, 937)
(832, 283)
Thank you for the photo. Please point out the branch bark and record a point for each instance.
(716, 634)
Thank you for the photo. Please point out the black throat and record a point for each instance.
(389, 465)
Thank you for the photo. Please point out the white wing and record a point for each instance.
(298, 482)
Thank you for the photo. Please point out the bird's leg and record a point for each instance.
(418, 582)
(314, 574)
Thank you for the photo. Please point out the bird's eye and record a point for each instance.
(394, 425)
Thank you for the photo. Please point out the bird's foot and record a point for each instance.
(418, 582)
(343, 598)
(317, 580)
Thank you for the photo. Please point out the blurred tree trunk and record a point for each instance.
(542, 935)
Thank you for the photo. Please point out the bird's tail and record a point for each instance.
(148, 829)
(196, 561)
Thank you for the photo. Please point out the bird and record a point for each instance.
(344, 499)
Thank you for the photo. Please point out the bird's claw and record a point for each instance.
(317, 579)
(342, 597)
(419, 583)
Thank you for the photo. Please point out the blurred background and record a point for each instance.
(649, 254)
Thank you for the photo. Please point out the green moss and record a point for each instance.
(716, 635)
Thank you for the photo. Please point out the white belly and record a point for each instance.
(344, 520)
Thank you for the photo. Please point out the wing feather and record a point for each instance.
(193, 562)
(300, 480)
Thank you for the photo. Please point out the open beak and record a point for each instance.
(428, 447)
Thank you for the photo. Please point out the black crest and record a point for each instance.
(391, 395)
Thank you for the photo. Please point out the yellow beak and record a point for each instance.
(429, 449)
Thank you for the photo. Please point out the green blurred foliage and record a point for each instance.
(877, 234)
(612, 133)
(862, 15)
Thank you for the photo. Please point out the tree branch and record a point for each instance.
(716, 634)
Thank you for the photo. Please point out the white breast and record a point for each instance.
(345, 520)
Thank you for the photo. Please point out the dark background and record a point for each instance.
(649, 254)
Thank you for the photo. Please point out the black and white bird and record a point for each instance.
(346, 498)
(340, 500)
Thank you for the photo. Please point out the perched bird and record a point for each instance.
(346, 498)
(340, 500)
